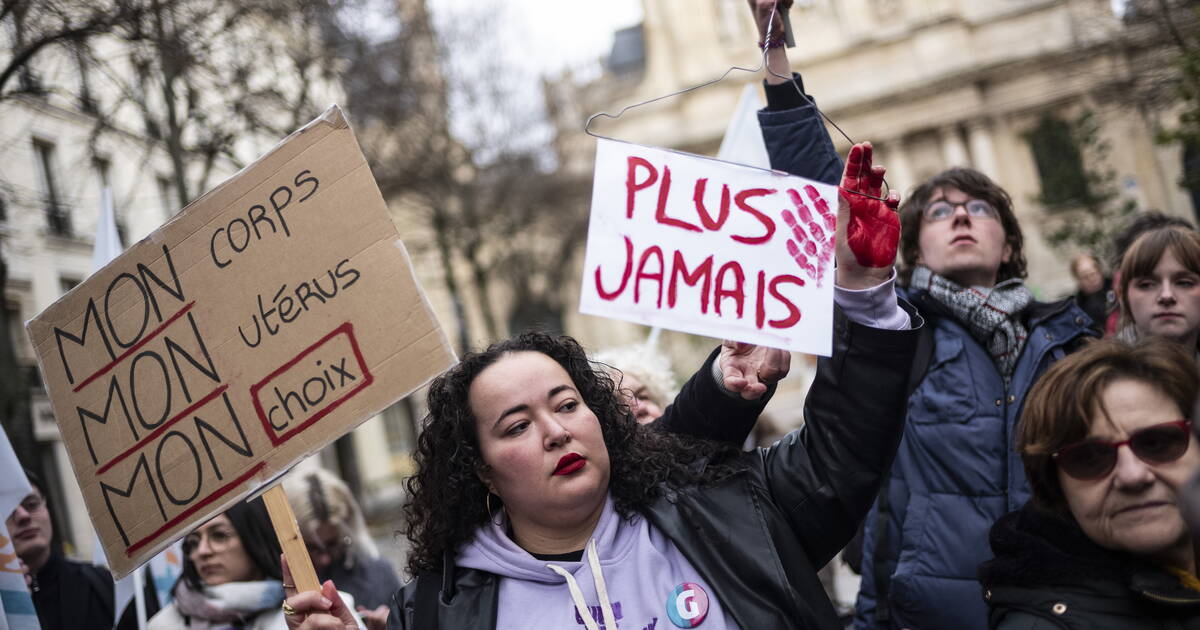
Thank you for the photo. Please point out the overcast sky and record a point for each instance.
(551, 35)
(517, 42)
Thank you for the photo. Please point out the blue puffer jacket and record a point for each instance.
(956, 472)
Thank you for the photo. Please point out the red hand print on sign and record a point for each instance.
(873, 231)
(812, 244)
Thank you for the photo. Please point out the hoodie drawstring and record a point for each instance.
(610, 622)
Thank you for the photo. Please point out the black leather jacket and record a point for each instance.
(759, 536)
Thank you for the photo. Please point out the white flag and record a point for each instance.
(108, 240)
(106, 248)
(16, 604)
(743, 142)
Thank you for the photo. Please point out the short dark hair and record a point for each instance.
(1139, 225)
(253, 526)
(978, 186)
(35, 480)
(1059, 409)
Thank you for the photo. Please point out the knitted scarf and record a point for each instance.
(227, 605)
(993, 316)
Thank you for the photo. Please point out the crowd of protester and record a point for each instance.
(1007, 462)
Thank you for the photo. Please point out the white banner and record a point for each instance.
(709, 247)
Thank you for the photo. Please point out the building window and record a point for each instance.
(1059, 162)
(66, 284)
(87, 101)
(397, 422)
(16, 329)
(57, 217)
(166, 197)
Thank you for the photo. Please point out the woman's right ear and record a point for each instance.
(485, 477)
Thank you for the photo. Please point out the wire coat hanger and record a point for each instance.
(761, 66)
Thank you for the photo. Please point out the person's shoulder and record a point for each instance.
(96, 577)
(1064, 312)
(166, 619)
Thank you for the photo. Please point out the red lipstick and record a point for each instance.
(570, 463)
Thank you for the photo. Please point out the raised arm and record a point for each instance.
(723, 399)
(796, 138)
(826, 475)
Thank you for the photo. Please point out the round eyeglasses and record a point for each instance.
(976, 209)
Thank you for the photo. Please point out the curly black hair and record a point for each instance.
(447, 498)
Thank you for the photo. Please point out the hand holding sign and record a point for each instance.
(234, 341)
(748, 369)
(868, 229)
(314, 610)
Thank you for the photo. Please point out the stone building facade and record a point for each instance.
(939, 83)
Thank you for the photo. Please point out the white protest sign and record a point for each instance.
(709, 247)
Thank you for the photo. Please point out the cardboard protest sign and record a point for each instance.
(270, 317)
(709, 247)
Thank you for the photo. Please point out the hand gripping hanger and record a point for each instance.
(762, 65)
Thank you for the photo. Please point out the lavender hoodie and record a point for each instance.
(647, 583)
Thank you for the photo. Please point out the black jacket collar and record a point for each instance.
(1035, 548)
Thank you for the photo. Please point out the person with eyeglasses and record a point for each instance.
(232, 576)
(957, 472)
(66, 594)
(987, 341)
(1107, 446)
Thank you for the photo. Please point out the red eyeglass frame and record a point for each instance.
(1185, 424)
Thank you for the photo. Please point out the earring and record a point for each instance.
(492, 517)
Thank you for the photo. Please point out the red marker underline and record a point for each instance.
(161, 428)
(129, 551)
(137, 346)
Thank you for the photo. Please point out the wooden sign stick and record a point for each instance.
(290, 539)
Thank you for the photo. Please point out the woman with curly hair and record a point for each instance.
(540, 502)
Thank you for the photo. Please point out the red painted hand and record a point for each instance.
(873, 231)
(812, 249)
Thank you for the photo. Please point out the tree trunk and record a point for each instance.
(441, 228)
(479, 272)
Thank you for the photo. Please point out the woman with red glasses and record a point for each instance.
(1107, 447)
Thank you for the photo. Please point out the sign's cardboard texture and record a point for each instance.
(708, 247)
(270, 317)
